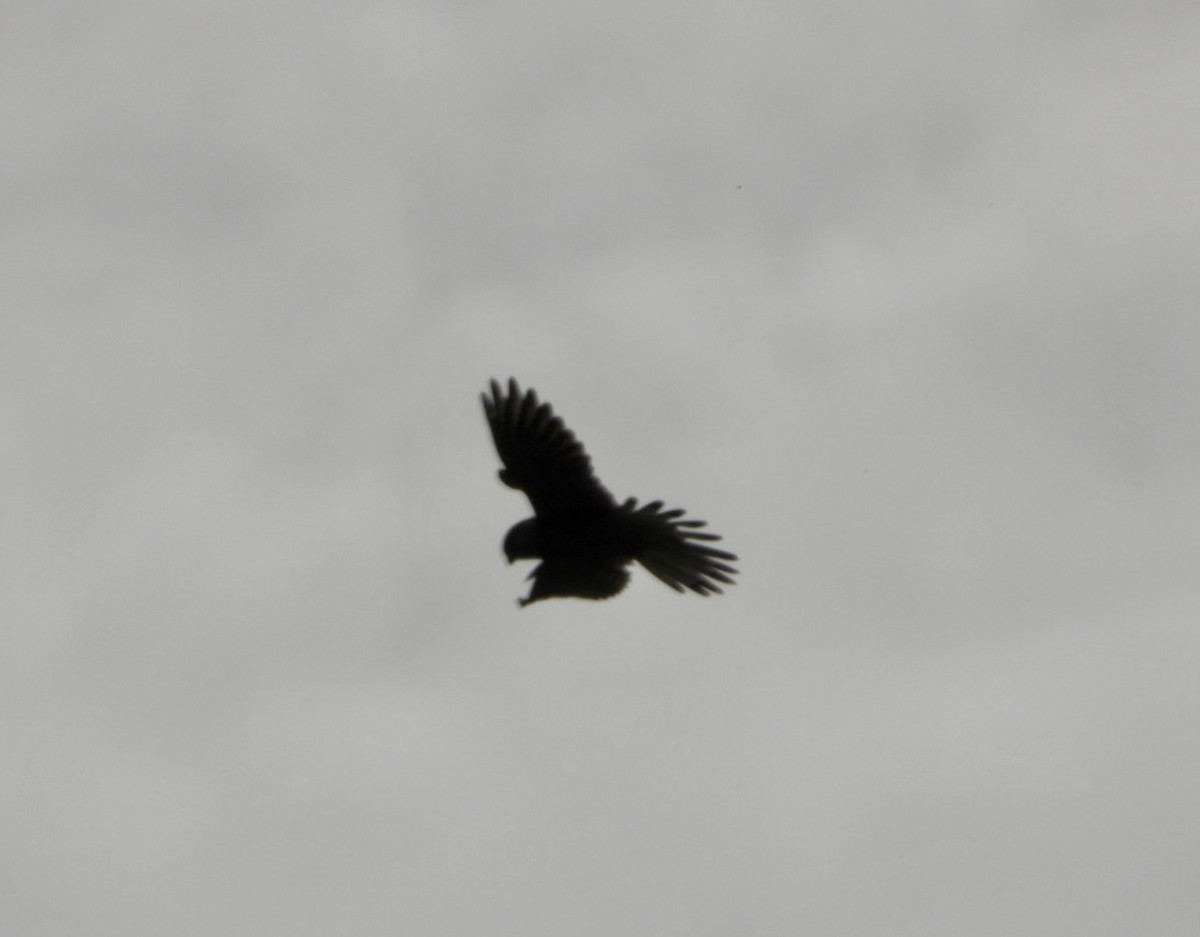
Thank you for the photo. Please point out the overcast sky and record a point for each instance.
(900, 297)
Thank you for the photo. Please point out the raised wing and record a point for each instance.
(674, 550)
(541, 456)
(573, 577)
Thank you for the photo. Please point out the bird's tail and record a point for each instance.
(674, 550)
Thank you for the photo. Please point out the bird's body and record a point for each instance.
(583, 538)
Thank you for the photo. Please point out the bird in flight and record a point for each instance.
(583, 538)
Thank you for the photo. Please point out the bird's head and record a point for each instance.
(521, 542)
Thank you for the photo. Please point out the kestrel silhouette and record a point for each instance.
(583, 538)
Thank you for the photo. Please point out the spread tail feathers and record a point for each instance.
(674, 550)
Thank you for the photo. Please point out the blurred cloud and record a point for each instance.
(899, 298)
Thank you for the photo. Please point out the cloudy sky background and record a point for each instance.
(901, 297)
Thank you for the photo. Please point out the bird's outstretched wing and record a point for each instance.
(580, 578)
(674, 550)
(541, 456)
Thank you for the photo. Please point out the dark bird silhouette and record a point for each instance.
(583, 538)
